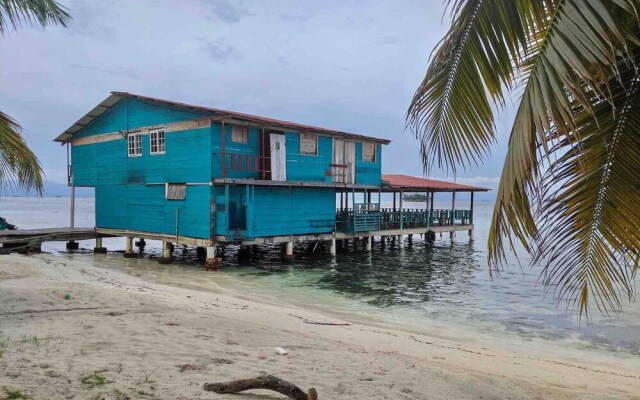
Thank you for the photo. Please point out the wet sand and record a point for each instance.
(119, 337)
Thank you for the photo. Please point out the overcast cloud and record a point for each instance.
(345, 65)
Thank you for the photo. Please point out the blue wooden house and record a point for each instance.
(202, 176)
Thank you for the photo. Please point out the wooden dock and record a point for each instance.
(35, 237)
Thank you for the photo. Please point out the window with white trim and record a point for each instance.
(175, 191)
(156, 139)
(309, 144)
(134, 145)
(369, 151)
(239, 134)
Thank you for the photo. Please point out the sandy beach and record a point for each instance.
(121, 337)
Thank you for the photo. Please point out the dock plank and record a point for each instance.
(37, 236)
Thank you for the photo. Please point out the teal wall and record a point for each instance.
(131, 113)
(367, 172)
(144, 208)
(130, 190)
(303, 167)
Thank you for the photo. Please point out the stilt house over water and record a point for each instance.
(203, 176)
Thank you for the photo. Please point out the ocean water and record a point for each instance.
(444, 285)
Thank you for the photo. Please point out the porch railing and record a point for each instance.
(245, 163)
(364, 217)
(367, 217)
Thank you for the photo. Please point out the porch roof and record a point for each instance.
(397, 182)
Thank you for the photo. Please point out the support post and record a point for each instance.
(141, 243)
(99, 249)
(453, 208)
(128, 247)
(401, 211)
(369, 240)
(332, 247)
(71, 244)
(167, 249)
(288, 250)
(471, 218)
(212, 262)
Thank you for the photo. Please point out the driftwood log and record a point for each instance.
(268, 382)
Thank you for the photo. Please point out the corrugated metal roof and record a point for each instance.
(214, 112)
(406, 182)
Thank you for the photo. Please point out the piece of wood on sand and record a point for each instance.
(267, 382)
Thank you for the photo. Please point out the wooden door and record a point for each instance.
(278, 157)
(344, 161)
(350, 161)
(338, 171)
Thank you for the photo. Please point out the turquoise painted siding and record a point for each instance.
(302, 167)
(131, 114)
(367, 172)
(283, 211)
(130, 190)
(144, 208)
(107, 163)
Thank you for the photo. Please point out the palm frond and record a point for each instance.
(451, 112)
(16, 13)
(589, 215)
(18, 165)
(567, 64)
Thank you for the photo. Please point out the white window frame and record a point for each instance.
(154, 141)
(166, 190)
(308, 135)
(240, 134)
(134, 144)
(375, 151)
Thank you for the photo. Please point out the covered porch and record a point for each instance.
(363, 212)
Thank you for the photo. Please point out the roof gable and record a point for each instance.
(115, 97)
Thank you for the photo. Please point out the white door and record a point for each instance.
(344, 160)
(278, 157)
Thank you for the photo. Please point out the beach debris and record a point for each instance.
(67, 296)
(281, 351)
(308, 321)
(267, 382)
(189, 367)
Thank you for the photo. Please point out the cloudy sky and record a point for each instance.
(348, 65)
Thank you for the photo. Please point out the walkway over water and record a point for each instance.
(26, 238)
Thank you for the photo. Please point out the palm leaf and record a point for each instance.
(16, 13)
(590, 225)
(578, 48)
(18, 165)
(451, 112)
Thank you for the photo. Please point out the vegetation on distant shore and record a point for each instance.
(415, 197)
(18, 164)
(571, 178)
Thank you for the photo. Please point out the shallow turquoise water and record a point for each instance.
(417, 286)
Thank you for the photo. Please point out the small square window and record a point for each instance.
(175, 191)
(156, 139)
(239, 134)
(369, 152)
(309, 144)
(134, 145)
